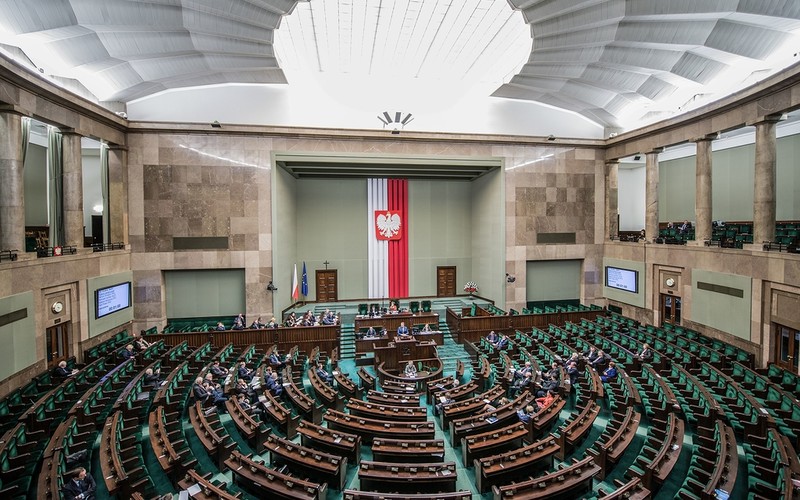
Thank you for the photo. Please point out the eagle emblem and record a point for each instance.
(387, 225)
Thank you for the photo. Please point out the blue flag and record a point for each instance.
(304, 284)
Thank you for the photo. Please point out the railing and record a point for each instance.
(8, 255)
(103, 247)
(55, 251)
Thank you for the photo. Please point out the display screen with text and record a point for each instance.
(112, 299)
(622, 279)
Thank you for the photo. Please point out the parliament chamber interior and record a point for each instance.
(560, 263)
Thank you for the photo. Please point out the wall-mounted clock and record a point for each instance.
(57, 307)
(669, 282)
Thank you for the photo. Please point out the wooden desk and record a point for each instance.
(269, 483)
(403, 451)
(392, 321)
(569, 482)
(408, 478)
(394, 399)
(208, 490)
(619, 433)
(368, 495)
(336, 442)
(369, 429)
(386, 412)
(331, 469)
(492, 442)
(514, 464)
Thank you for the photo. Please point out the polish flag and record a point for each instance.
(387, 216)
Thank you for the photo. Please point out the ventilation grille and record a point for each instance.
(200, 243)
(726, 290)
(8, 318)
(558, 238)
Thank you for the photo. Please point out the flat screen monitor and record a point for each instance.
(111, 299)
(622, 279)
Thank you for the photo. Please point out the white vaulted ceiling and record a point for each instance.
(617, 63)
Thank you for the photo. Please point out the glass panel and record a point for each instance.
(677, 309)
(667, 308)
(783, 350)
(49, 345)
(796, 355)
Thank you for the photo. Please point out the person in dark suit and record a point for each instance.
(217, 370)
(220, 327)
(323, 374)
(503, 342)
(127, 353)
(645, 354)
(244, 373)
(402, 330)
(257, 324)
(275, 360)
(80, 486)
(573, 372)
(273, 385)
(199, 391)
(61, 371)
(520, 385)
(151, 378)
(140, 342)
(550, 384)
(601, 360)
(492, 337)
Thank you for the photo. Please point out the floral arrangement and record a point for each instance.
(471, 287)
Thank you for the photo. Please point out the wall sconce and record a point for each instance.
(271, 287)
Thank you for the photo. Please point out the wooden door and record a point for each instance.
(445, 281)
(787, 344)
(670, 309)
(327, 285)
(57, 344)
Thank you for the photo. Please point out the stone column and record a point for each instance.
(72, 186)
(764, 180)
(651, 194)
(612, 199)
(117, 194)
(702, 200)
(12, 182)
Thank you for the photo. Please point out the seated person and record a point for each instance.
(244, 373)
(127, 353)
(257, 324)
(610, 373)
(80, 487)
(601, 360)
(243, 389)
(573, 372)
(370, 333)
(272, 323)
(646, 354)
(492, 337)
(548, 398)
(520, 385)
(373, 311)
(152, 378)
(590, 354)
(323, 374)
(140, 343)
(217, 370)
(204, 393)
(244, 404)
(553, 372)
(291, 320)
(525, 415)
(520, 372)
(275, 359)
(209, 380)
(392, 307)
(410, 370)
(329, 319)
(237, 325)
(426, 328)
(490, 406)
(550, 384)
(61, 371)
(239, 319)
(220, 327)
(574, 358)
(685, 227)
(503, 342)
(443, 401)
(402, 330)
(273, 385)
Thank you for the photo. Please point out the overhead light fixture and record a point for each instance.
(551, 137)
(396, 123)
(215, 124)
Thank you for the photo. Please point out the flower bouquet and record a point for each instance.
(471, 287)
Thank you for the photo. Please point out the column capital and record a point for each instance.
(65, 131)
(654, 151)
(773, 118)
(116, 147)
(13, 109)
(707, 137)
